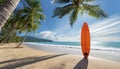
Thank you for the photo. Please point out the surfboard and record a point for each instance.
(85, 40)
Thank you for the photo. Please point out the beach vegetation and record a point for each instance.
(23, 20)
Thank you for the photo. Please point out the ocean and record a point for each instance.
(104, 46)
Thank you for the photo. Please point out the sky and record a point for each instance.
(103, 29)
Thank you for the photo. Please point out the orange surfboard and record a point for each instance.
(85, 40)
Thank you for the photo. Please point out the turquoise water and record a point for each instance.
(103, 44)
(109, 44)
(62, 43)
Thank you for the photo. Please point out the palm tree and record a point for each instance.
(6, 10)
(32, 13)
(26, 19)
(74, 7)
(10, 27)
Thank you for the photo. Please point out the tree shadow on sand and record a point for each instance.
(14, 63)
(82, 64)
(7, 48)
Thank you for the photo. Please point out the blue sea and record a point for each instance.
(104, 46)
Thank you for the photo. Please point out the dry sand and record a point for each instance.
(27, 58)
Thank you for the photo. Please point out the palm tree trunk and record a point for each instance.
(22, 40)
(6, 10)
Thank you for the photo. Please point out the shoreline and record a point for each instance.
(27, 58)
(108, 55)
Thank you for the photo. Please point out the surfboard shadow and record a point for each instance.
(82, 64)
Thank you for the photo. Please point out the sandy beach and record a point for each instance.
(27, 58)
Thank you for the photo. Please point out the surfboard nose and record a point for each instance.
(85, 23)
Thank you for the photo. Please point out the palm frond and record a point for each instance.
(61, 1)
(32, 3)
(42, 17)
(61, 11)
(94, 10)
(23, 10)
(73, 16)
(88, 0)
(39, 9)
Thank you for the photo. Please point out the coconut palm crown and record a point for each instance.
(74, 7)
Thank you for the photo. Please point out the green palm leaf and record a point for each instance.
(88, 0)
(74, 16)
(62, 1)
(94, 10)
(77, 6)
(61, 11)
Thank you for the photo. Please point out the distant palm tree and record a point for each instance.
(6, 10)
(74, 7)
(32, 13)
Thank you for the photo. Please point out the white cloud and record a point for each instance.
(56, 37)
(69, 38)
(47, 35)
(103, 24)
(106, 30)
